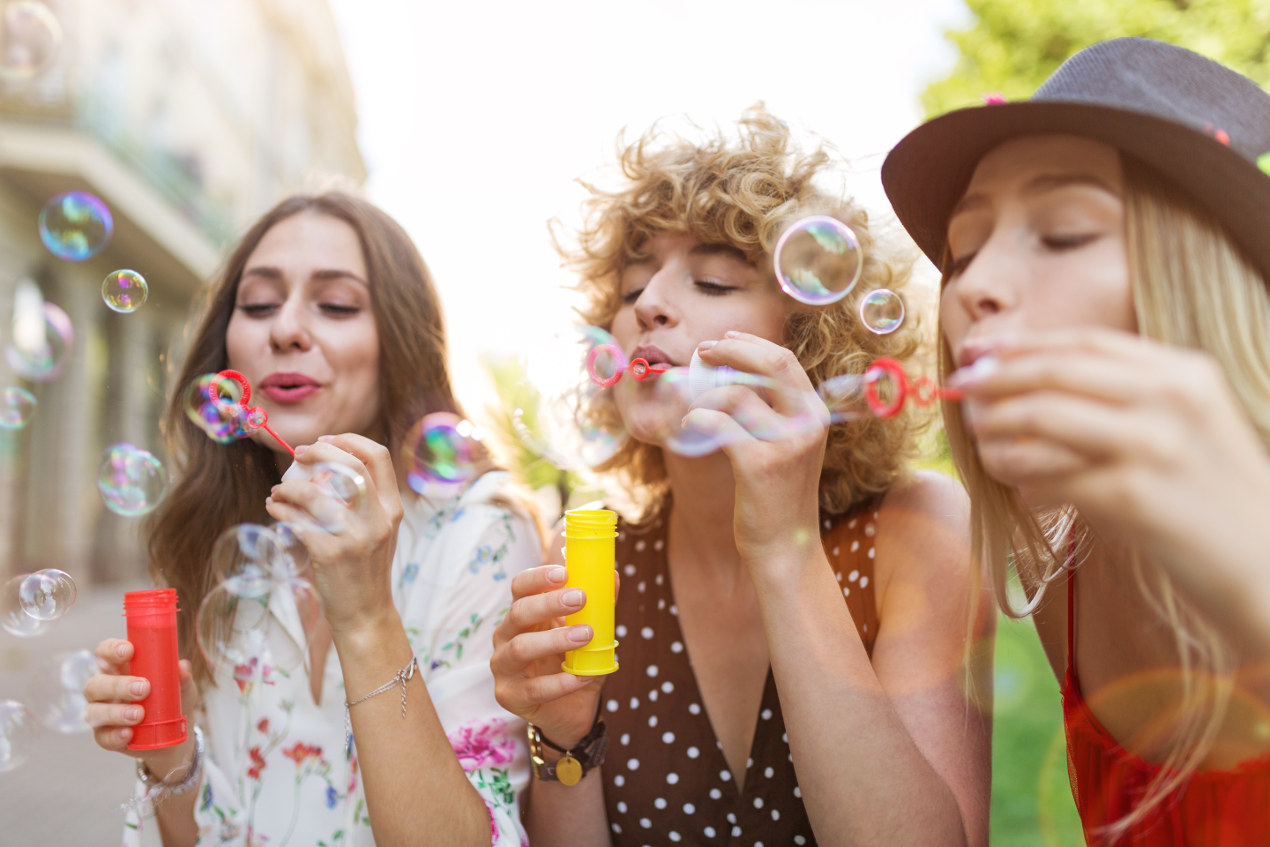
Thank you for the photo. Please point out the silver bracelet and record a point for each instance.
(157, 789)
(401, 677)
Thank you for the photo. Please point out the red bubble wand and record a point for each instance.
(639, 368)
(254, 412)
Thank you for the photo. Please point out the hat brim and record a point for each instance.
(926, 174)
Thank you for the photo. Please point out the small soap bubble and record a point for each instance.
(124, 291)
(882, 311)
(846, 397)
(30, 36)
(47, 594)
(56, 691)
(666, 415)
(213, 404)
(345, 489)
(818, 260)
(17, 405)
(255, 625)
(75, 226)
(131, 480)
(565, 413)
(19, 730)
(14, 619)
(442, 450)
(42, 339)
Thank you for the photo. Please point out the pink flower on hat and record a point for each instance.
(994, 99)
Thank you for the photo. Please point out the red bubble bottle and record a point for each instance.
(152, 630)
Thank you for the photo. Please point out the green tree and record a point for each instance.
(1014, 45)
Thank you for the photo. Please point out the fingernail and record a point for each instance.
(573, 597)
(132, 713)
(706, 345)
(326, 438)
(299, 451)
(732, 333)
(274, 489)
(557, 574)
(121, 651)
(580, 634)
(138, 687)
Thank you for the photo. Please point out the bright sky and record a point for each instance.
(476, 118)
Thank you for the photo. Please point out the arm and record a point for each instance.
(1150, 444)
(866, 736)
(529, 646)
(112, 711)
(402, 758)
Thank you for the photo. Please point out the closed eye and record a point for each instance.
(960, 263)
(1068, 242)
(256, 310)
(339, 310)
(631, 296)
(713, 289)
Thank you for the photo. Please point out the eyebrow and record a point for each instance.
(321, 275)
(726, 250)
(1037, 185)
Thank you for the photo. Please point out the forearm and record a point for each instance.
(856, 760)
(561, 815)
(416, 790)
(174, 813)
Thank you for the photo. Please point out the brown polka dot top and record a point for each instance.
(666, 780)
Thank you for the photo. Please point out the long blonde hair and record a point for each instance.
(743, 193)
(1192, 287)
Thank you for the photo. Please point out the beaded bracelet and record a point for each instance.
(157, 789)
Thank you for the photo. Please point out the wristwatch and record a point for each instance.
(574, 764)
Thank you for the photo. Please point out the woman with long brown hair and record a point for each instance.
(327, 309)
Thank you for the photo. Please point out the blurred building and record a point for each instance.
(187, 118)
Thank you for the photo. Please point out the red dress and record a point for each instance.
(1212, 807)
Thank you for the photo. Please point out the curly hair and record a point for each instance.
(744, 193)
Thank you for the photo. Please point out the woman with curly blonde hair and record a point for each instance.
(771, 688)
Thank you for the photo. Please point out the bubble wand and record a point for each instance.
(639, 368)
(255, 415)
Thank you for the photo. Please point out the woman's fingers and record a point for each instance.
(113, 655)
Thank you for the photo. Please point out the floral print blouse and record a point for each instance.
(278, 771)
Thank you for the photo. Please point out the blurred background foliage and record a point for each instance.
(1014, 45)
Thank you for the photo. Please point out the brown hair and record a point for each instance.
(221, 485)
(744, 194)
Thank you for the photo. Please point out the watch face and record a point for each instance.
(568, 771)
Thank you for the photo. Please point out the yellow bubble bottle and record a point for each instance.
(589, 539)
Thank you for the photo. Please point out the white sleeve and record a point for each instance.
(461, 591)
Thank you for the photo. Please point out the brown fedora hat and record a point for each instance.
(1200, 124)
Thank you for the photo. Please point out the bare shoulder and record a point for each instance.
(924, 531)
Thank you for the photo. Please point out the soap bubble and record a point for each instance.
(47, 594)
(19, 731)
(214, 404)
(345, 489)
(818, 260)
(14, 619)
(131, 480)
(566, 414)
(17, 405)
(29, 39)
(441, 451)
(256, 623)
(42, 338)
(882, 311)
(75, 226)
(767, 409)
(57, 691)
(124, 291)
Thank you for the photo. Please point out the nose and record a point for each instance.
(988, 285)
(289, 329)
(655, 305)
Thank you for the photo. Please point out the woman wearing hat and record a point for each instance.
(1105, 250)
